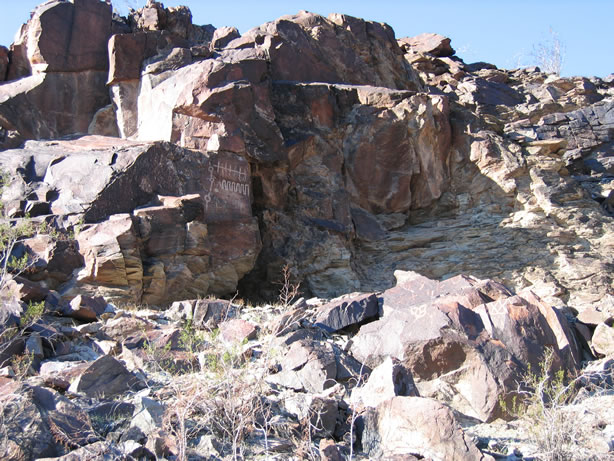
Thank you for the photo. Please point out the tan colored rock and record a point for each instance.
(434, 44)
(602, 342)
(404, 426)
(104, 123)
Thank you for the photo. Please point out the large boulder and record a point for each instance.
(62, 53)
(414, 426)
(68, 36)
(337, 49)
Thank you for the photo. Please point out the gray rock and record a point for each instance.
(148, 415)
(348, 311)
(106, 377)
(307, 366)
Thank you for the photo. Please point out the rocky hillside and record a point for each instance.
(152, 163)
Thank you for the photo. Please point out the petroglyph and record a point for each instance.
(225, 179)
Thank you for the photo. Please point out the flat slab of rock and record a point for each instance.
(106, 377)
(434, 44)
(236, 331)
(347, 311)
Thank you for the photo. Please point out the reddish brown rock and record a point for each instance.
(128, 51)
(198, 239)
(69, 37)
(51, 105)
(236, 331)
(86, 308)
(4, 63)
(434, 44)
(340, 52)
(108, 377)
(223, 36)
(452, 336)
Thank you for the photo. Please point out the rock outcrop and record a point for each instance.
(367, 152)
(170, 223)
(157, 162)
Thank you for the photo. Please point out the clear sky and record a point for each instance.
(500, 32)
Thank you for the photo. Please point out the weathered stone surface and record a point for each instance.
(308, 366)
(347, 311)
(203, 313)
(387, 380)
(339, 53)
(106, 377)
(4, 63)
(39, 422)
(51, 105)
(68, 36)
(236, 331)
(86, 308)
(603, 340)
(434, 44)
(104, 123)
(179, 246)
(223, 36)
(417, 426)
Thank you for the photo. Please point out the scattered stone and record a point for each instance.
(86, 308)
(236, 331)
(308, 366)
(106, 377)
(603, 340)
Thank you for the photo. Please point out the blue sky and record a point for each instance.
(503, 33)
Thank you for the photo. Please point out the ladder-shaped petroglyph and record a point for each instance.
(224, 177)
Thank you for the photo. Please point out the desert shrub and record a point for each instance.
(547, 402)
(549, 55)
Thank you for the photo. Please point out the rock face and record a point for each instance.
(175, 223)
(61, 53)
(367, 154)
